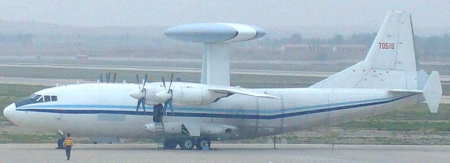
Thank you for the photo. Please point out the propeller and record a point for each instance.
(167, 95)
(141, 94)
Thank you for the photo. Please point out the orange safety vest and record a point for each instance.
(68, 142)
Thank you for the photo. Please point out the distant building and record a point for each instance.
(82, 57)
(325, 49)
(355, 49)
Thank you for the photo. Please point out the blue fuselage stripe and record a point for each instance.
(208, 113)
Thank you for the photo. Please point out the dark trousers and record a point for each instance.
(68, 150)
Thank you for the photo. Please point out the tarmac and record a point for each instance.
(226, 153)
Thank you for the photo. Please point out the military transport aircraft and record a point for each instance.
(194, 114)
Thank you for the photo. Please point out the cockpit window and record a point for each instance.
(46, 98)
(54, 98)
(35, 97)
(40, 99)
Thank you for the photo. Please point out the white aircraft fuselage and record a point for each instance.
(105, 110)
(195, 113)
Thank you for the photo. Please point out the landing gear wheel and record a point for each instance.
(170, 144)
(187, 144)
(201, 143)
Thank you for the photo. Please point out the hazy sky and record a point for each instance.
(434, 13)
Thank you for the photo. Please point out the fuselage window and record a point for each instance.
(54, 98)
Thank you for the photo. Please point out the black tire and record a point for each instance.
(202, 143)
(187, 144)
(170, 144)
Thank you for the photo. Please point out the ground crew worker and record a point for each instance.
(68, 143)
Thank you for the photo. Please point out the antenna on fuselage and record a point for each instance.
(216, 37)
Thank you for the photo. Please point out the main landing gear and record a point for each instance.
(188, 143)
(203, 143)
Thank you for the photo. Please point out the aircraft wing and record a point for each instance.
(238, 90)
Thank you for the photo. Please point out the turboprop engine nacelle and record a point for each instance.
(169, 127)
(195, 96)
(187, 95)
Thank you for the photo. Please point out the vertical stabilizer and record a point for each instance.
(390, 62)
(393, 48)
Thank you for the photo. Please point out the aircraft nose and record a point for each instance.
(9, 111)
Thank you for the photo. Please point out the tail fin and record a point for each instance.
(390, 62)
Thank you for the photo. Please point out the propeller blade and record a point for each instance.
(108, 76)
(164, 83)
(138, 82)
(137, 106)
(114, 78)
(143, 106)
(168, 104)
(170, 85)
(145, 80)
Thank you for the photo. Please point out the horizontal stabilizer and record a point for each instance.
(242, 91)
(405, 91)
(433, 92)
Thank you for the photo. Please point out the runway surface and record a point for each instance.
(226, 153)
